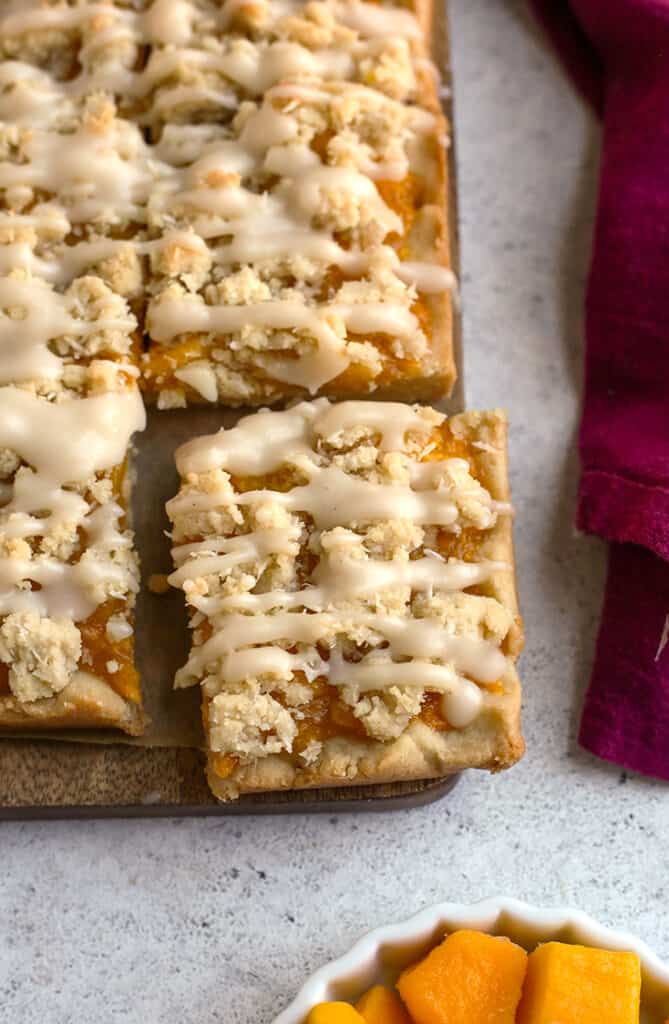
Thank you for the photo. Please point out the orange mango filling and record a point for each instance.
(99, 652)
(404, 198)
(476, 978)
(431, 713)
(326, 717)
(223, 765)
(162, 361)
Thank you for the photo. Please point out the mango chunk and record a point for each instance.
(471, 978)
(568, 984)
(334, 1013)
(381, 1006)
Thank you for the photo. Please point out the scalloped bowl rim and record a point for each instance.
(359, 966)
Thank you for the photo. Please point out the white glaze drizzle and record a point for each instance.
(101, 172)
(264, 441)
(43, 316)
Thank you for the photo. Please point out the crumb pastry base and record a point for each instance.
(85, 703)
(494, 743)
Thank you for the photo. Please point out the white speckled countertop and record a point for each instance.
(190, 922)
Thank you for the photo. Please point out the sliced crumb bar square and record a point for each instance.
(68, 570)
(349, 575)
(313, 254)
(69, 404)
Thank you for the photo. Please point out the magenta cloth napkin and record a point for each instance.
(617, 53)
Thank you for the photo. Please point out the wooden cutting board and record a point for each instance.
(46, 779)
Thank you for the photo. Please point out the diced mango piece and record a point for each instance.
(471, 978)
(568, 984)
(334, 1013)
(381, 1006)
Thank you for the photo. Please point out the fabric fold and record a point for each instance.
(615, 54)
(623, 510)
(573, 47)
(626, 713)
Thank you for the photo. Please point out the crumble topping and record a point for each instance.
(252, 723)
(42, 654)
(277, 322)
(81, 339)
(283, 268)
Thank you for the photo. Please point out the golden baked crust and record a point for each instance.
(493, 743)
(323, 541)
(86, 702)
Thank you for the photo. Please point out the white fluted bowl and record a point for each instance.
(383, 953)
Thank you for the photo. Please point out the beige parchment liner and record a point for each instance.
(99, 767)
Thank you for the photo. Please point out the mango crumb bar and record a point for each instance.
(317, 258)
(68, 572)
(69, 404)
(75, 181)
(349, 575)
